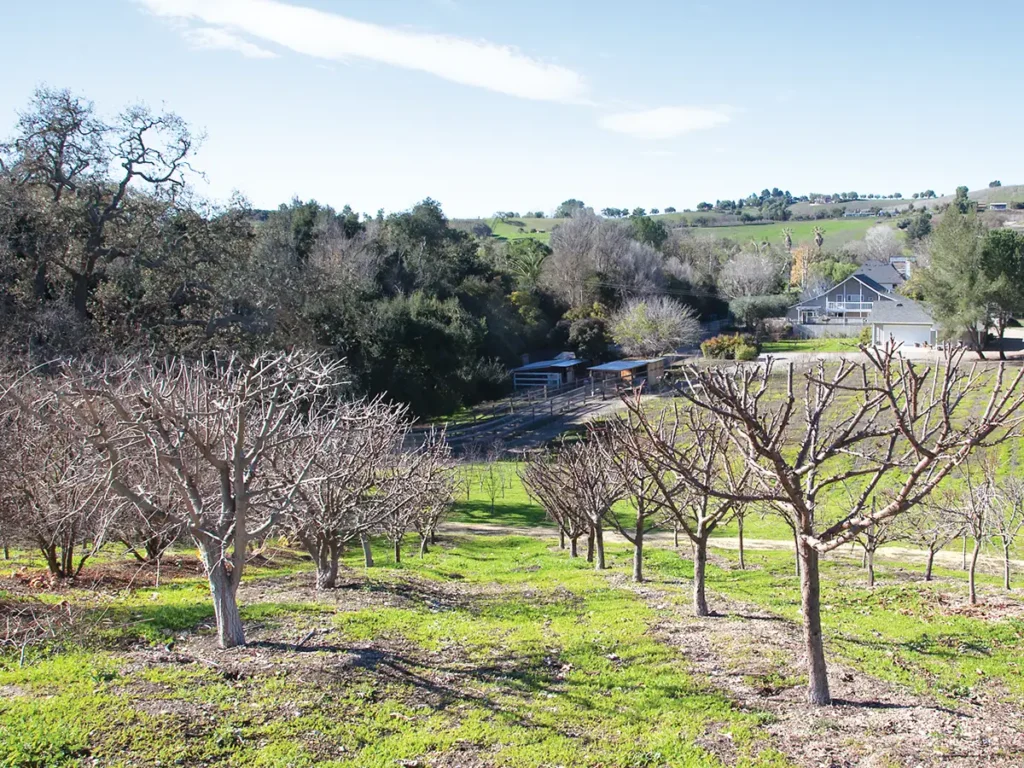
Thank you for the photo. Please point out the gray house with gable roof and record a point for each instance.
(867, 297)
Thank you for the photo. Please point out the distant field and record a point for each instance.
(837, 231)
(806, 209)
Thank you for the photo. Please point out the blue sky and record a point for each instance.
(513, 106)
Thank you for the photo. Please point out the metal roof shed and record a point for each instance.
(545, 373)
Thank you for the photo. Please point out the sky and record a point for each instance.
(489, 106)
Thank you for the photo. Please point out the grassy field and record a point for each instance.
(809, 345)
(494, 651)
(837, 231)
(489, 651)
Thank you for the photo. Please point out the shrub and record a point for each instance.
(746, 352)
(725, 347)
(865, 338)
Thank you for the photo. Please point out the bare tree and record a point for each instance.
(881, 243)
(873, 537)
(55, 495)
(212, 428)
(752, 273)
(1007, 516)
(580, 476)
(350, 486)
(905, 425)
(931, 526)
(654, 326)
(547, 482)
(639, 486)
(679, 455)
(435, 487)
(571, 265)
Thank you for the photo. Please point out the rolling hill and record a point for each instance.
(837, 231)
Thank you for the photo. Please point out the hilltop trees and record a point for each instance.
(569, 208)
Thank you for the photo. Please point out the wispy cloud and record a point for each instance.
(664, 122)
(323, 35)
(213, 38)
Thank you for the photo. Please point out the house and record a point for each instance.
(547, 373)
(851, 301)
(629, 372)
(866, 298)
(998, 206)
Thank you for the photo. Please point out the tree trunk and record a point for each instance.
(810, 599)
(1006, 566)
(367, 551)
(398, 551)
(743, 563)
(971, 569)
(870, 555)
(590, 546)
(52, 563)
(638, 553)
(326, 572)
(965, 552)
(599, 547)
(561, 538)
(700, 562)
(423, 546)
(230, 632)
(928, 566)
(574, 546)
(675, 535)
(796, 549)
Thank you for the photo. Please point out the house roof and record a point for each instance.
(542, 364)
(625, 365)
(881, 272)
(902, 311)
(869, 274)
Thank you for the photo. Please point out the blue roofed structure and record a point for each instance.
(546, 373)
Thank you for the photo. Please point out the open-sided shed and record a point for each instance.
(629, 371)
(546, 373)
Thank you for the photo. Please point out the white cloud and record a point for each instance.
(664, 122)
(212, 38)
(330, 36)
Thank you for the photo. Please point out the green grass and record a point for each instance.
(810, 345)
(904, 630)
(534, 660)
(837, 231)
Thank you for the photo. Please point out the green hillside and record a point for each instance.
(837, 231)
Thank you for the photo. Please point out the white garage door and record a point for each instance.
(907, 334)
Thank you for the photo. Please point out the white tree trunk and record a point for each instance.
(598, 548)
